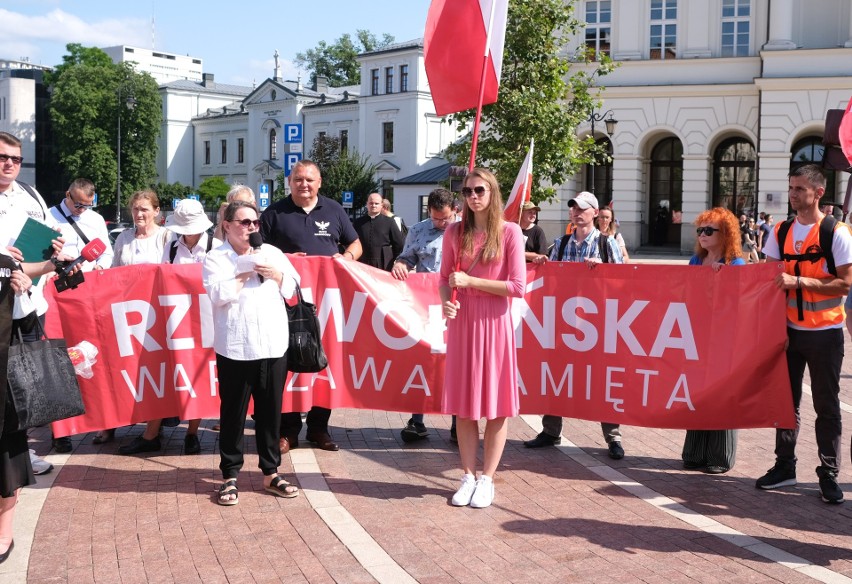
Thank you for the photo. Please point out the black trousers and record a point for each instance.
(262, 380)
(822, 352)
(317, 421)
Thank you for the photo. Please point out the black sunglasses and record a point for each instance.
(77, 205)
(14, 159)
(708, 231)
(467, 191)
(247, 222)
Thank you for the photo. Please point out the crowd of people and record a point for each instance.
(480, 266)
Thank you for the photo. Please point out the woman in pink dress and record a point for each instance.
(481, 376)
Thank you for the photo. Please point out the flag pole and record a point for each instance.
(526, 179)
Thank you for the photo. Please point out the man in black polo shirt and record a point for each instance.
(307, 223)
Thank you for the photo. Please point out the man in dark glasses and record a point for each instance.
(588, 245)
(817, 255)
(80, 224)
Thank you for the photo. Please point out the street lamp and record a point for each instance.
(610, 129)
(130, 102)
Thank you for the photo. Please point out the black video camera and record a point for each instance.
(63, 280)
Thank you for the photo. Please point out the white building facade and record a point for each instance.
(715, 101)
(163, 67)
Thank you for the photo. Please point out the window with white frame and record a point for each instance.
(374, 81)
(736, 22)
(598, 27)
(241, 150)
(273, 144)
(403, 78)
(388, 79)
(387, 137)
(344, 141)
(663, 29)
(224, 159)
(207, 152)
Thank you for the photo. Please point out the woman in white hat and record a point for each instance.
(190, 223)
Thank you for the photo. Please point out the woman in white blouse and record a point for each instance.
(247, 289)
(141, 244)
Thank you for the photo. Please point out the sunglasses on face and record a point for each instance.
(708, 231)
(247, 222)
(77, 205)
(14, 159)
(469, 192)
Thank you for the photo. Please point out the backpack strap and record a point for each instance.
(173, 251)
(563, 243)
(209, 243)
(603, 248)
(73, 224)
(33, 194)
(826, 238)
(823, 250)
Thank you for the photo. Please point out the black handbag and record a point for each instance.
(42, 383)
(305, 353)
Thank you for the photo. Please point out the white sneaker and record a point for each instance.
(484, 493)
(465, 492)
(40, 466)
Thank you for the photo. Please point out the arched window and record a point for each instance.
(810, 151)
(273, 145)
(599, 176)
(665, 198)
(734, 176)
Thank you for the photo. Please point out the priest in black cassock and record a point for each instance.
(381, 239)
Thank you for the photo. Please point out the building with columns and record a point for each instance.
(715, 101)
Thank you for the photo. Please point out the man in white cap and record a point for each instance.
(585, 244)
(190, 223)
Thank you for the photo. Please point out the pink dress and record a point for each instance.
(481, 375)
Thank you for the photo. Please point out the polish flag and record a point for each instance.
(460, 35)
(522, 191)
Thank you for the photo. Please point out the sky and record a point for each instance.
(235, 40)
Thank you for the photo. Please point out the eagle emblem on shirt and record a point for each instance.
(322, 226)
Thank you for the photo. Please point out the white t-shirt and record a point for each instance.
(841, 249)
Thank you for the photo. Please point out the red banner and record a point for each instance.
(643, 345)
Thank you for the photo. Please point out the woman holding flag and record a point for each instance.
(483, 263)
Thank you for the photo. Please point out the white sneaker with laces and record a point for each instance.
(40, 466)
(484, 493)
(465, 492)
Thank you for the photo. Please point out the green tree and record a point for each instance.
(89, 92)
(340, 171)
(213, 190)
(338, 61)
(540, 97)
(168, 191)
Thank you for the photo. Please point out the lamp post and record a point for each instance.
(610, 130)
(130, 102)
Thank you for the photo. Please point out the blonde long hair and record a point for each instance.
(494, 221)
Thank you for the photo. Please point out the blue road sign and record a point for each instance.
(264, 202)
(194, 196)
(292, 133)
(290, 160)
(348, 199)
(264, 188)
(174, 203)
(95, 200)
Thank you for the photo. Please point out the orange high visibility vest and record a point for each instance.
(805, 308)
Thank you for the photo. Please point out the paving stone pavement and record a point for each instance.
(378, 511)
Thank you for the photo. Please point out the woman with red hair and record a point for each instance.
(718, 244)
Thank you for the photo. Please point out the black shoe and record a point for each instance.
(62, 445)
(716, 469)
(689, 465)
(414, 431)
(616, 452)
(8, 551)
(172, 422)
(454, 438)
(543, 440)
(191, 445)
(783, 474)
(828, 488)
(140, 445)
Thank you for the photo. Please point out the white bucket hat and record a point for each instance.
(189, 218)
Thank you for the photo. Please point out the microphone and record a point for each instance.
(92, 251)
(255, 241)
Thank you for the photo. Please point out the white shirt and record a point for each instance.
(130, 250)
(250, 324)
(841, 249)
(16, 205)
(92, 225)
(184, 255)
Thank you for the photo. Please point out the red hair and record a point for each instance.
(732, 247)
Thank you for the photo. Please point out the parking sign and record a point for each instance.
(292, 133)
(348, 199)
(290, 160)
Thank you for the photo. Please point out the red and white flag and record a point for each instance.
(522, 191)
(460, 35)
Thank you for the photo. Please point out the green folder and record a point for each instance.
(34, 242)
